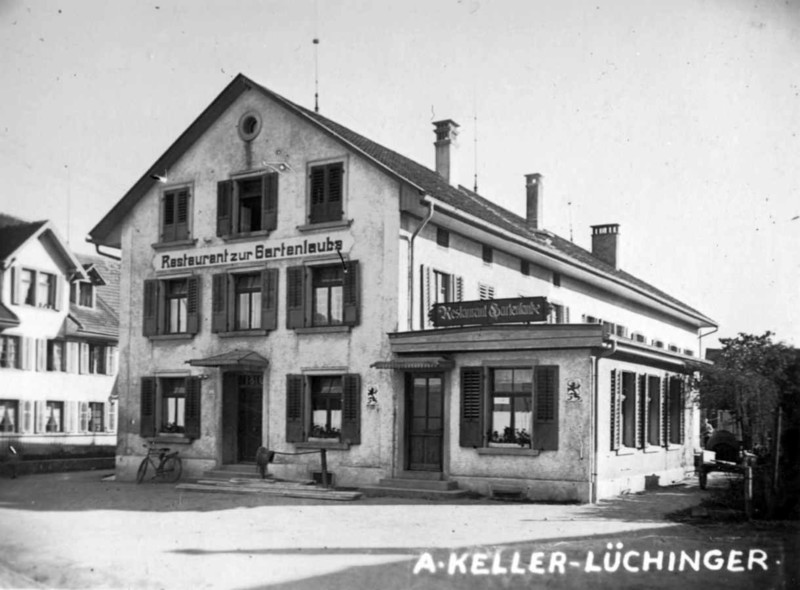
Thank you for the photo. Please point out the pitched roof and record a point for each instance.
(14, 232)
(397, 165)
(103, 319)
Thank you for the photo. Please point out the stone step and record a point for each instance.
(418, 484)
(263, 488)
(414, 493)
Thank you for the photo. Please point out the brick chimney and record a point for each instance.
(447, 150)
(533, 200)
(605, 243)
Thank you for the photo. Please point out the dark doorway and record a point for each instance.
(249, 410)
(424, 421)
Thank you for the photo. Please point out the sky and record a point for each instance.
(678, 120)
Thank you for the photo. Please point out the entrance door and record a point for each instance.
(249, 408)
(424, 421)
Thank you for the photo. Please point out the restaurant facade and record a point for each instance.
(297, 286)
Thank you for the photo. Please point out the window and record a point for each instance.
(28, 287)
(654, 395)
(9, 352)
(557, 279)
(326, 192)
(522, 407)
(96, 354)
(244, 301)
(674, 416)
(46, 290)
(656, 415)
(485, 291)
(511, 403)
(247, 301)
(442, 287)
(525, 268)
(673, 348)
(34, 288)
(621, 331)
(488, 254)
(247, 205)
(438, 287)
(81, 293)
(559, 314)
(658, 343)
(249, 126)
(171, 306)
(56, 360)
(319, 296)
(628, 413)
(323, 407)
(175, 214)
(442, 237)
(170, 405)
(639, 337)
(9, 415)
(54, 417)
(96, 417)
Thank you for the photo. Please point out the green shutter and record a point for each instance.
(471, 423)
(192, 411)
(295, 297)
(295, 408)
(224, 204)
(147, 414)
(545, 410)
(151, 305)
(269, 209)
(193, 290)
(351, 409)
(219, 302)
(351, 294)
(269, 298)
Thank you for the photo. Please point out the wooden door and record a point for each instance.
(424, 421)
(249, 417)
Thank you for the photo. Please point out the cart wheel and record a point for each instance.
(703, 476)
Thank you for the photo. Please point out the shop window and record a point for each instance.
(244, 302)
(170, 405)
(438, 287)
(176, 214)
(171, 306)
(81, 293)
(326, 192)
(521, 407)
(323, 407)
(9, 415)
(320, 296)
(247, 205)
(54, 417)
(9, 352)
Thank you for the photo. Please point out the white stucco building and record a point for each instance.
(58, 342)
(292, 284)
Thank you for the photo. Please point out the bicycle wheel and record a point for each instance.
(142, 470)
(171, 470)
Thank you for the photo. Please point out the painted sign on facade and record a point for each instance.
(251, 252)
(490, 311)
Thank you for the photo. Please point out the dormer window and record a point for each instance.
(81, 293)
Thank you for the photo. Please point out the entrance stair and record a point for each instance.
(415, 485)
(244, 479)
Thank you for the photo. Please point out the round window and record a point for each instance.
(249, 126)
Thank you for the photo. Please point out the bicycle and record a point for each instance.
(169, 465)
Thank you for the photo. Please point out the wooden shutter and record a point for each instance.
(269, 298)
(26, 425)
(83, 363)
(471, 423)
(665, 411)
(224, 205)
(295, 297)
(85, 416)
(351, 296)
(269, 209)
(192, 411)
(644, 412)
(681, 409)
(71, 354)
(27, 353)
(110, 356)
(425, 296)
(351, 409)
(295, 408)
(147, 415)
(40, 416)
(57, 295)
(151, 305)
(41, 355)
(616, 407)
(168, 217)
(545, 408)
(182, 215)
(15, 279)
(111, 416)
(193, 292)
(219, 302)
(458, 288)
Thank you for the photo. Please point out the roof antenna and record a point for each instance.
(569, 209)
(316, 57)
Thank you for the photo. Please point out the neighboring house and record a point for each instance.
(298, 286)
(58, 341)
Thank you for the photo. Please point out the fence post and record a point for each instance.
(323, 459)
(748, 492)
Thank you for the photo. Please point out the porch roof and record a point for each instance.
(415, 362)
(233, 358)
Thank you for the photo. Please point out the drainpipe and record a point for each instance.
(414, 235)
(594, 408)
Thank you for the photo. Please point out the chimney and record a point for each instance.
(605, 243)
(533, 192)
(447, 150)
